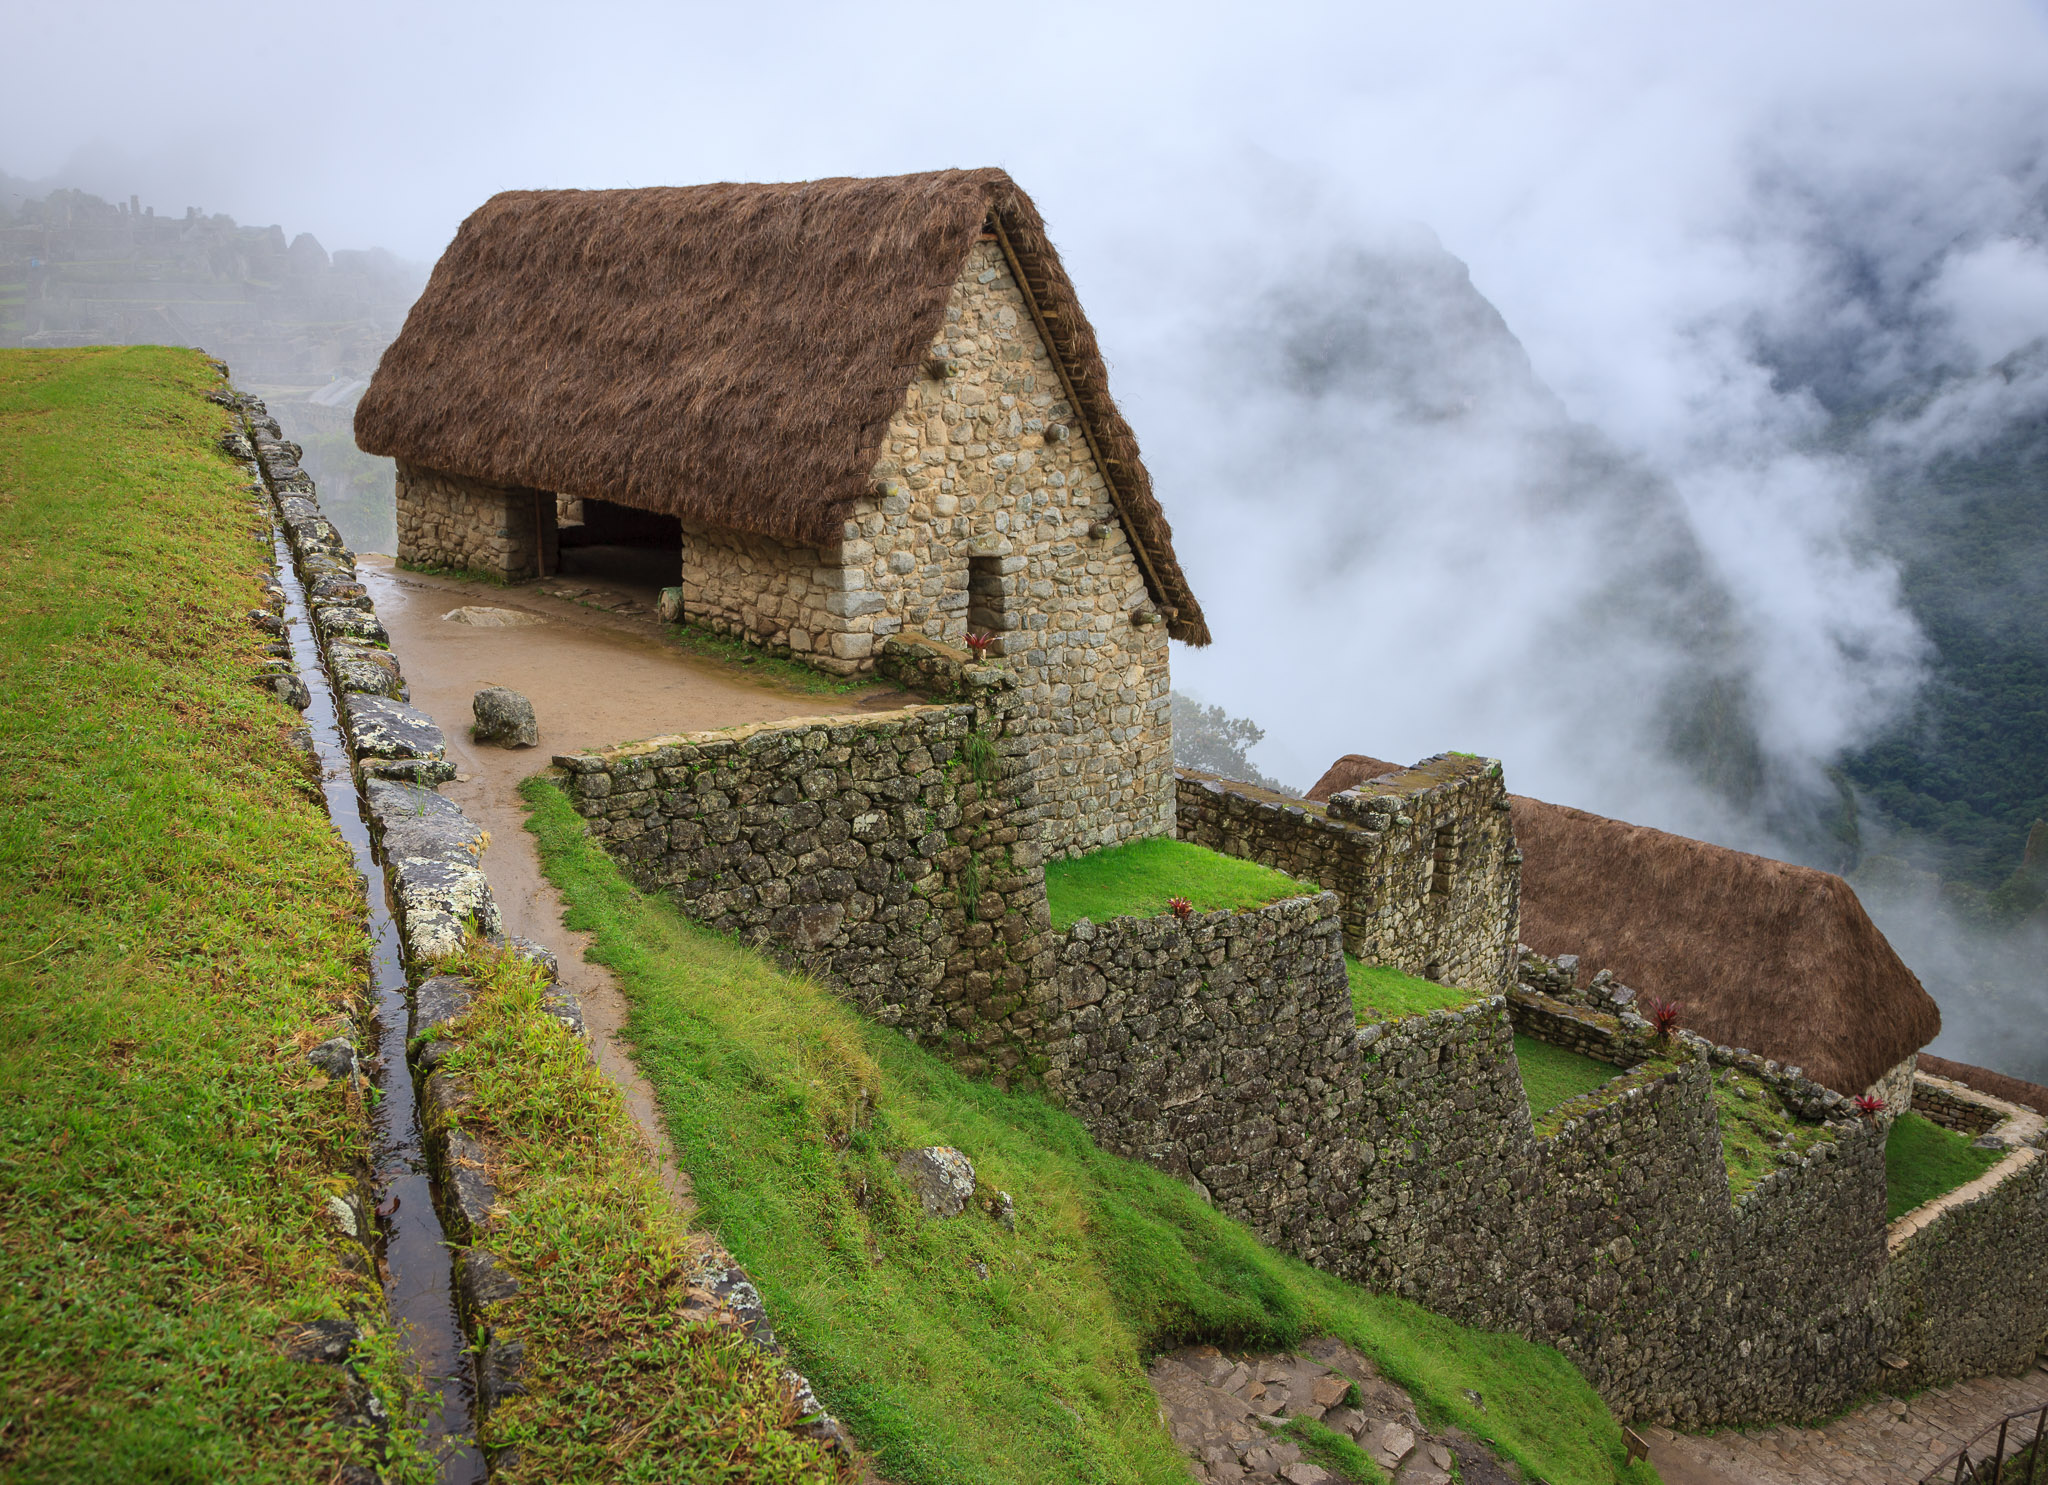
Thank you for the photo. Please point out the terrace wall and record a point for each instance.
(1222, 1049)
(1424, 860)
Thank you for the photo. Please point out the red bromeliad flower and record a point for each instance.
(1180, 907)
(979, 643)
(1868, 1106)
(1663, 1015)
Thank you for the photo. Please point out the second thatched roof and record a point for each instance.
(731, 354)
(1761, 954)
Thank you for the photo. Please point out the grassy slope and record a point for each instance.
(1922, 1161)
(1551, 1074)
(612, 1353)
(1136, 879)
(1379, 992)
(179, 923)
(784, 1105)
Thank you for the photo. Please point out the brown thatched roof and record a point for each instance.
(1779, 959)
(1984, 1080)
(1349, 772)
(731, 354)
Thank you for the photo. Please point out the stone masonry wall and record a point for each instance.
(1222, 1049)
(896, 854)
(445, 520)
(989, 514)
(1424, 860)
(1218, 1050)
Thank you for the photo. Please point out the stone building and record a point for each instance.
(1777, 959)
(851, 408)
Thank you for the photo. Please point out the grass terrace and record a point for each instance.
(962, 1351)
(1135, 880)
(180, 924)
(1755, 1129)
(1379, 992)
(1551, 1075)
(1922, 1161)
(611, 1353)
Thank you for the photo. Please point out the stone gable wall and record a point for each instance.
(1424, 860)
(446, 520)
(989, 513)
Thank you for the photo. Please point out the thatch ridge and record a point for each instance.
(1984, 1080)
(731, 354)
(1762, 954)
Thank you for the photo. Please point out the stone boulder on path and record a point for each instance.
(504, 717)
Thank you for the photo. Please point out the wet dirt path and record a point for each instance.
(595, 678)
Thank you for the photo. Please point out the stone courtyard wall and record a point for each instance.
(1424, 860)
(446, 520)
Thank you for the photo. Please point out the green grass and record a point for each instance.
(1136, 879)
(1323, 1445)
(1379, 992)
(1755, 1129)
(179, 924)
(610, 1352)
(1551, 1074)
(785, 1105)
(1922, 1161)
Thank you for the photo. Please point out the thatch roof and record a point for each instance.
(1984, 1080)
(1779, 959)
(1349, 772)
(730, 354)
(1760, 954)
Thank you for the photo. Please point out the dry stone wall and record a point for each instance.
(1223, 1049)
(1424, 860)
(1217, 1049)
(446, 520)
(897, 854)
(1966, 1288)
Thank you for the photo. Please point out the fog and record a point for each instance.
(1493, 364)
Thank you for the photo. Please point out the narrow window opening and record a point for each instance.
(993, 599)
(1443, 861)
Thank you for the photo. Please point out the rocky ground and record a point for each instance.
(1226, 1409)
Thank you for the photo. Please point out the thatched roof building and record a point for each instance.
(727, 354)
(1777, 958)
(831, 416)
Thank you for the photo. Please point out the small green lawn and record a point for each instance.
(1550, 1075)
(1755, 1129)
(1135, 880)
(180, 924)
(1922, 1161)
(960, 1351)
(1379, 992)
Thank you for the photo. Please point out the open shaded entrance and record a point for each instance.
(618, 544)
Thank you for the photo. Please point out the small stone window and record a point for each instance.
(1443, 861)
(994, 597)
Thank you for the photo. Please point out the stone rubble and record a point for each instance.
(1225, 1408)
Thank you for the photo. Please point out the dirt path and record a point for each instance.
(595, 678)
(1888, 1442)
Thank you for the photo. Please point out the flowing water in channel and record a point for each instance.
(418, 1285)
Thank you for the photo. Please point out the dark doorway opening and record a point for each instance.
(619, 544)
